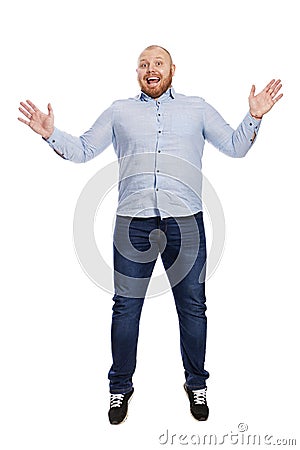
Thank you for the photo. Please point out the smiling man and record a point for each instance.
(155, 71)
(158, 137)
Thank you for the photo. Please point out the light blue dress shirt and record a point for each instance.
(159, 145)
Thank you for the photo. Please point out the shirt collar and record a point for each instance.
(170, 93)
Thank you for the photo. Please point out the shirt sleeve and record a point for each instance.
(234, 143)
(88, 145)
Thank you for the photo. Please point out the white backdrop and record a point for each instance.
(55, 323)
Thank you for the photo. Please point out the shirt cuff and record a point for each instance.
(252, 126)
(251, 122)
(53, 141)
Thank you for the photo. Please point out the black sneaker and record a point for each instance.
(199, 408)
(118, 407)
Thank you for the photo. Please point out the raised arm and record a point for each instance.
(77, 149)
(38, 121)
(236, 143)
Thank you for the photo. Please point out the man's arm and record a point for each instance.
(76, 149)
(236, 143)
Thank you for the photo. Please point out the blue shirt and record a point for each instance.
(159, 145)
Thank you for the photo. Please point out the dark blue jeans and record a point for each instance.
(137, 244)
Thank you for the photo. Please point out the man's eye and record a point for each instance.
(158, 63)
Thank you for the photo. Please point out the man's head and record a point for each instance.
(155, 70)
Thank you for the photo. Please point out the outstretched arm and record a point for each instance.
(39, 122)
(77, 149)
(236, 143)
(261, 103)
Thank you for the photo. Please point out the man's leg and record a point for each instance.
(186, 247)
(134, 259)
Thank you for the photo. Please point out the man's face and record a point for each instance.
(155, 72)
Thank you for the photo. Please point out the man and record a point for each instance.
(158, 137)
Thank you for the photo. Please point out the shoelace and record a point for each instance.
(116, 400)
(200, 397)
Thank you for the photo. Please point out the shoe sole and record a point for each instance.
(198, 420)
(119, 423)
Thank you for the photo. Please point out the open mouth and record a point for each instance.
(153, 80)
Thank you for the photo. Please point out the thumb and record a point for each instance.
(252, 92)
(50, 110)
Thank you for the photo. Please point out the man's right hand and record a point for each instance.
(39, 122)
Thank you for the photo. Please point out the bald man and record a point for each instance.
(158, 137)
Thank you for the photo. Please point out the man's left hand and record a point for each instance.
(261, 103)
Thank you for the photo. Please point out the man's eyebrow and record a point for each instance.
(157, 57)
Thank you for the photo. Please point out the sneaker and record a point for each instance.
(118, 407)
(198, 405)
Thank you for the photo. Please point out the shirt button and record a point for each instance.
(53, 140)
(159, 114)
(157, 170)
(158, 103)
(250, 124)
(159, 131)
(156, 189)
(159, 151)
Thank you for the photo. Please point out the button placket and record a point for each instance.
(159, 133)
(158, 117)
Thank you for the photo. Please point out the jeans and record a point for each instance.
(137, 243)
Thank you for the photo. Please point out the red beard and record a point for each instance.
(156, 91)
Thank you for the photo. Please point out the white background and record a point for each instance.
(55, 323)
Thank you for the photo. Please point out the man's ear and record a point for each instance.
(173, 68)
